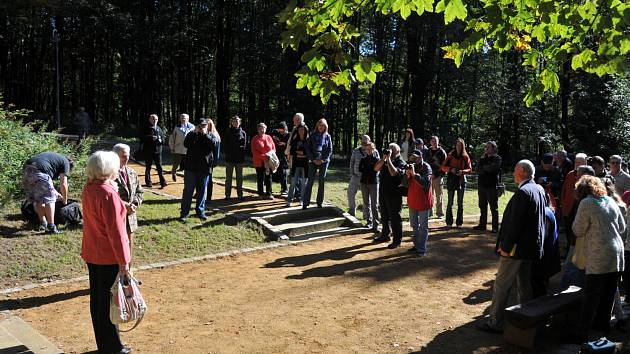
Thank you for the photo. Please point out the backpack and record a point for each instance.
(64, 214)
(68, 214)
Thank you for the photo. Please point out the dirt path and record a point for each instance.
(335, 295)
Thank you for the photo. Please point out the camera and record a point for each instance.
(386, 151)
(409, 166)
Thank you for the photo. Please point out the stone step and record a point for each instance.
(311, 225)
(293, 214)
(337, 231)
(16, 336)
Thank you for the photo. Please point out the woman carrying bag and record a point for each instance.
(105, 246)
(457, 165)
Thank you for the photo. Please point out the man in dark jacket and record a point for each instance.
(152, 141)
(200, 145)
(235, 142)
(488, 169)
(391, 169)
(520, 242)
(280, 138)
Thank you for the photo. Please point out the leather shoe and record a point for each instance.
(494, 231)
(393, 245)
(479, 228)
(486, 327)
(381, 239)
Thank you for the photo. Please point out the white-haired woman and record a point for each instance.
(105, 246)
(319, 150)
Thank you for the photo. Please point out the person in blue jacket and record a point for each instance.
(319, 150)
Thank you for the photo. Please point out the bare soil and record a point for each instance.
(335, 295)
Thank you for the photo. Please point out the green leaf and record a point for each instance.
(454, 9)
(440, 6)
(550, 80)
(579, 61)
(428, 5)
(359, 73)
(531, 58)
(534, 93)
(372, 77)
(405, 11)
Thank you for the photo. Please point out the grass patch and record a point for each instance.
(31, 256)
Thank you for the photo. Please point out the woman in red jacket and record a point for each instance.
(457, 165)
(105, 246)
(262, 144)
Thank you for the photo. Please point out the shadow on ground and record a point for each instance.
(37, 301)
(450, 254)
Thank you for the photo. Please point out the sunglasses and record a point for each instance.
(614, 162)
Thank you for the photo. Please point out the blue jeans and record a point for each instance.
(299, 176)
(199, 181)
(419, 221)
(572, 274)
(312, 169)
(460, 206)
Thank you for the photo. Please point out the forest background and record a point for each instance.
(123, 60)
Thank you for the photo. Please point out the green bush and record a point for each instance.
(19, 142)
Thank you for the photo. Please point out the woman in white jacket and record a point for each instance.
(176, 143)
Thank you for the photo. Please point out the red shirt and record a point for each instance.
(105, 239)
(568, 193)
(417, 197)
(261, 145)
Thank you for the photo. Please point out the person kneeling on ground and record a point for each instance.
(38, 174)
(420, 200)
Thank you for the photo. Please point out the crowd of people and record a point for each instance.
(583, 197)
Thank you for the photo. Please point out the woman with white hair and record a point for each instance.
(105, 246)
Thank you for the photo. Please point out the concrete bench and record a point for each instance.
(525, 322)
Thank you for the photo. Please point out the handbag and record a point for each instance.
(579, 256)
(126, 302)
(601, 346)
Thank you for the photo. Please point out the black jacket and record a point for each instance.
(489, 168)
(281, 142)
(200, 152)
(435, 158)
(523, 224)
(235, 145)
(387, 182)
(149, 144)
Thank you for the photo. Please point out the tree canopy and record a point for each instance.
(592, 35)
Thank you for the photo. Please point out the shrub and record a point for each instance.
(20, 142)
